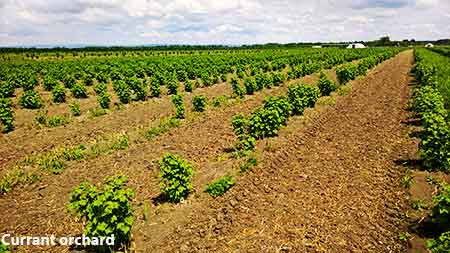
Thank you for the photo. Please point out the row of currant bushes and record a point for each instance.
(207, 68)
(267, 120)
(106, 209)
(350, 71)
(431, 104)
(130, 85)
(273, 115)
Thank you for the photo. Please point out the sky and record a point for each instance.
(231, 22)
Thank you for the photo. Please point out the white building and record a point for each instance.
(429, 45)
(356, 45)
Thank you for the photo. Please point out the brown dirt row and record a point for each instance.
(332, 186)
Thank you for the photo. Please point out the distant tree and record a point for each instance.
(384, 41)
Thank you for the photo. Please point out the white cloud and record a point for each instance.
(26, 22)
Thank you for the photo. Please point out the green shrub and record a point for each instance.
(101, 77)
(75, 108)
(182, 76)
(106, 209)
(55, 121)
(435, 142)
(346, 73)
(260, 82)
(138, 88)
(69, 81)
(220, 186)
(362, 68)
(7, 89)
(188, 85)
(240, 128)
(4, 248)
(49, 83)
(199, 102)
(104, 99)
(301, 97)
(178, 102)
(59, 94)
(267, 80)
(206, 79)
(88, 80)
(176, 177)
(223, 77)
(6, 115)
(100, 88)
(172, 85)
(326, 86)
(30, 83)
(250, 85)
(439, 245)
(277, 78)
(441, 211)
(240, 73)
(79, 90)
(366, 64)
(123, 91)
(30, 99)
(155, 87)
(428, 99)
(236, 87)
(197, 84)
(279, 104)
(265, 123)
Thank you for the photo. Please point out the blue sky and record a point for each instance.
(136, 22)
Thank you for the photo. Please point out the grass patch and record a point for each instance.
(248, 165)
(121, 142)
(219, 101)
(74, 154)
(344, 90)
(418, 205)
(55, 121)
(43, 119)
(15, 177)
(327, 101)
(97, 112)
(407, 179)
(52, 163)
(164, 126)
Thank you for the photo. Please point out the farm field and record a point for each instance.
(232, 150)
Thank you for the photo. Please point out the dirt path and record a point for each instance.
(334, 186)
